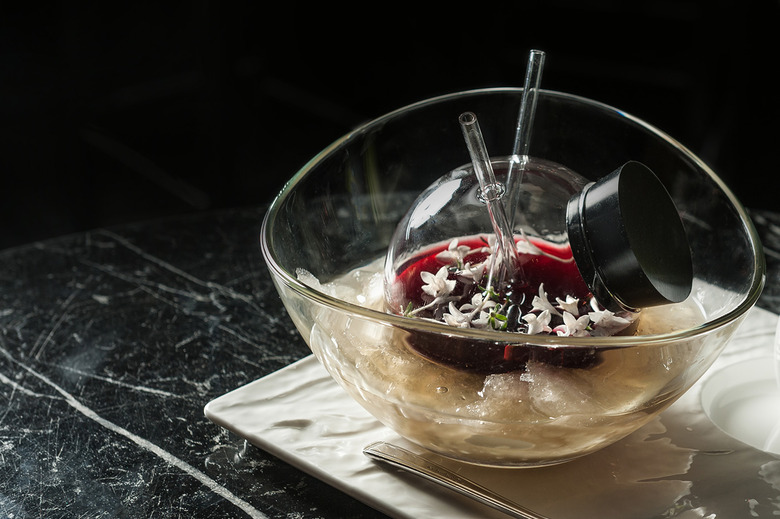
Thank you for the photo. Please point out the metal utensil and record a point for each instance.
(425, 468)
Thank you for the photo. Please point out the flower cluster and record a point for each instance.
(485, 308)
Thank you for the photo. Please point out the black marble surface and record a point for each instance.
(111, 343)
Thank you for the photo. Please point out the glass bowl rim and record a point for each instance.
(388, 319)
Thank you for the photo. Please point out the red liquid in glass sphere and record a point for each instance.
(551, 266)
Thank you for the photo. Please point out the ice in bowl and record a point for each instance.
(501, 383)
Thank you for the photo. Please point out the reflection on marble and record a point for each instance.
(112, 341)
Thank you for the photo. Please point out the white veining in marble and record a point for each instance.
(145, 444)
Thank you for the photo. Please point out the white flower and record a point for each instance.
(541, 302)
(456, 317)
(573, 326)
(473, 272)
(606, 322)
(570, 305)
(454, 253)
(478, 302)
(538, 323)
(464, 316)
(481, 321)
(437, 285)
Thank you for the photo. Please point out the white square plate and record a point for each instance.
(679, 465)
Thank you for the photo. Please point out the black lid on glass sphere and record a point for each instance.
(628, 240)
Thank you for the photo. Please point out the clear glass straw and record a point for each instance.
(491, 192)
(525, 118)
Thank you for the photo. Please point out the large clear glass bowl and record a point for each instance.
(338, 213)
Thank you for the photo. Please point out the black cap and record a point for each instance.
(628, 240)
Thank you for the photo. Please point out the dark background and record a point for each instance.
(114, 114)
